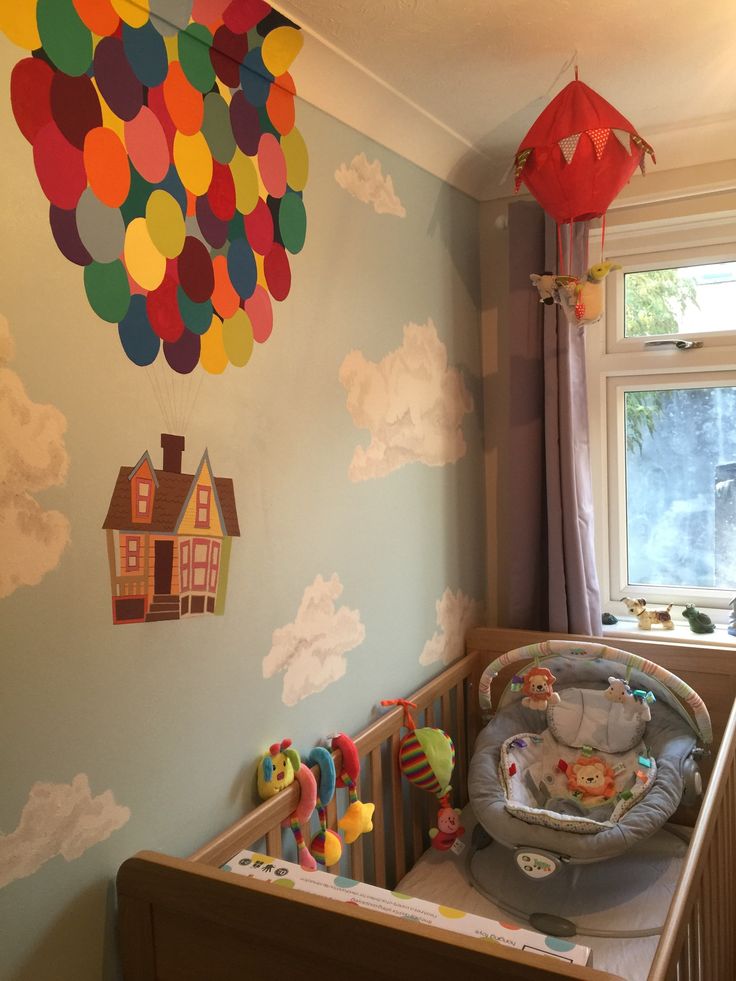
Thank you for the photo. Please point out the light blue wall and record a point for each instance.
(171, 717)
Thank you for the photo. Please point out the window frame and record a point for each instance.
(616, 363)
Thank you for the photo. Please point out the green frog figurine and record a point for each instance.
(700, 623)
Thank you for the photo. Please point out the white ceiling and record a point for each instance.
(484, 69)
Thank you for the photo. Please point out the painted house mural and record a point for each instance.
(169, 536)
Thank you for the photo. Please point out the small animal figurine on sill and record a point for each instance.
(700, 623)
(645, 617)
(732, 618)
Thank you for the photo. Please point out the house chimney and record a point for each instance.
(173, 447)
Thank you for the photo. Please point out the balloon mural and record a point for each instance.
(163, 137)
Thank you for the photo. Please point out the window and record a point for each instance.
(214, 566)
(662, 403)
(200, 564)
(132, 547)
(142, 499)
(184, 559)
(202, 518)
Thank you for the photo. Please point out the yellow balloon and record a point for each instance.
(297, 159)
(143, 261)
(165, 223)
(280, 47)
(260, 271)
(237, 336)
(18, 23)
(212, 355)
(135, 13)
(245, 178)
(109, 119)
(193, 160)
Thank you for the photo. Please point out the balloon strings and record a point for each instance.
(603, 234)
(560, 263)
(194, 400)
(569, 252)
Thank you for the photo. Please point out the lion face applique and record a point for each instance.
(537, 690)
(591, 780)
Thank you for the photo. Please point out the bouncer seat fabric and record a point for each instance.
(588, 778)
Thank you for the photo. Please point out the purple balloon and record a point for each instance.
(120, 87)
(245, 123)
(183, 354)
(213, 229)
(64, 229)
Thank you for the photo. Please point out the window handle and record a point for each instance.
(680, 345)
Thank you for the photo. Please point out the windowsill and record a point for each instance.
(681, 632)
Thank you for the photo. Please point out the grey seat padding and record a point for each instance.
(668, 736)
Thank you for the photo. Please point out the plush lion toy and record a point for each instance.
(537, 690)
(591, 777)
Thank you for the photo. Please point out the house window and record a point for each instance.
(202, 518)
(132, 551)
(184, 564)
(214, 566)
(200, 564)
(662, 403)
(143, 499)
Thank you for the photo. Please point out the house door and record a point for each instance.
(163, 564)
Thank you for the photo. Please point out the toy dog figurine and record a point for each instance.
(645, 617)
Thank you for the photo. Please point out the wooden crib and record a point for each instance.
(186, 920)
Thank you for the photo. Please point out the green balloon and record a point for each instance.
(292, 222)
(108, 292)
(65, 39)
(194, 56)
(217, 129)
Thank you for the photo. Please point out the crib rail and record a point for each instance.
(401, 826)
(698, 940)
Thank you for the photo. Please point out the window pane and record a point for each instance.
(681, 487)
(686, 300)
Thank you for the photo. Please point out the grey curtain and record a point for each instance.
(548, 508)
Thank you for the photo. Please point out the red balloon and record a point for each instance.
(578, 155)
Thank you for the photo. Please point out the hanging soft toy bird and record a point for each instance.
(427, 759)
(582, 300)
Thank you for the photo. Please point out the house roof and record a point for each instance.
(171, 494)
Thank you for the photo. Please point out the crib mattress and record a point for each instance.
(444, 877)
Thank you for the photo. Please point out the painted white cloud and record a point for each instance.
(58, 819)
(32, 458)
(411, 403)
(456, 614)
(366, 182)
(311, 650)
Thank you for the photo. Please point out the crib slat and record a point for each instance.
(429, 716)
(379, 827)
(273, 843)
(397, 810)
(462, 782)
(446, 711)
(417, 823)
(356, 849)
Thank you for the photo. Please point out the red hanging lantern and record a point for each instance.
(578, 155)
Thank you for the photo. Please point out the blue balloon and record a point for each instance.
(139, 341)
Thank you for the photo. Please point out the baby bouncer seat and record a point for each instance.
(589, 751)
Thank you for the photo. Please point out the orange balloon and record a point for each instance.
(106, 164)
(280, 104)
(184, 102)
(224, 298)
(98, 16)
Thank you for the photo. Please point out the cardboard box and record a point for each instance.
(288, 875)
